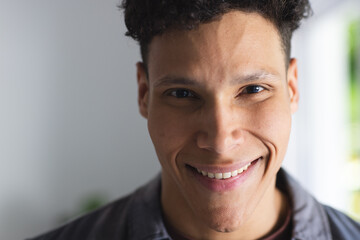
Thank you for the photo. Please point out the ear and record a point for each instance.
(292, 80)
(143, 89)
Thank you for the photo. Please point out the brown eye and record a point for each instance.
(181, 93)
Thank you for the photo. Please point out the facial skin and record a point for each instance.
(218, 97)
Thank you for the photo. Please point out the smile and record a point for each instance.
(224, 178)
(225, 175)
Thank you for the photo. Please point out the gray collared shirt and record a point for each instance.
(138, 216)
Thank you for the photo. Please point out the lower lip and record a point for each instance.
(224, 185)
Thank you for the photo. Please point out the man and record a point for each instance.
(218, 88)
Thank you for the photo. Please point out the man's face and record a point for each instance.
(218, 99)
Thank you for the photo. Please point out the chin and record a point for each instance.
(225, 220)
(225, 227)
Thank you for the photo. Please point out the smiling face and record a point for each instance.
(218, 100)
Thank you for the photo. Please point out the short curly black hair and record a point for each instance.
(145, 19)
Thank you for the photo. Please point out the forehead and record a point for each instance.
(238, 43)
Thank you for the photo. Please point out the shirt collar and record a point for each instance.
(145, 221)
(309, 217)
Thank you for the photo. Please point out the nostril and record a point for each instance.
(202, 140)
(220, 142)
(238, 136)
(217, 145)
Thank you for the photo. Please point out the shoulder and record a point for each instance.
(342, 226)
(99, 224)
(136, 216)
(313, 220)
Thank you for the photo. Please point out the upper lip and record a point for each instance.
(221, 169)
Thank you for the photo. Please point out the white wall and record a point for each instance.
(69, 121)
(319, 146)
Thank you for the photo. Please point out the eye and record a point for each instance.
(253, 89)
(182, 93)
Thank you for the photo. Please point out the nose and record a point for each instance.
(220, 129)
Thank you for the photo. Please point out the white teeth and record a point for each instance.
(218, 175)
(224, 175)
(211, 175)
(244, 168)
(227, 175)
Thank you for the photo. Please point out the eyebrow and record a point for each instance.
(166, 81)
(246, 78)
(169, 80)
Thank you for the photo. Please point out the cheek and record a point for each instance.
(168, 130)
(272, 123)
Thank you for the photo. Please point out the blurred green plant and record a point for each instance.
(86, 205)
(356, 204)
(354, 108)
